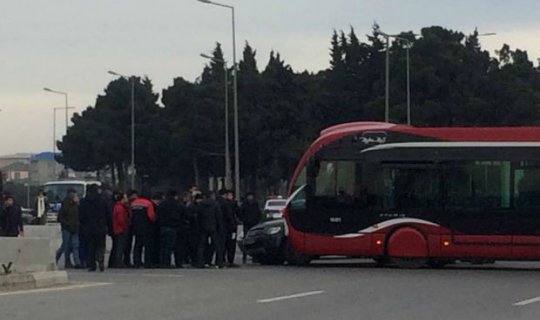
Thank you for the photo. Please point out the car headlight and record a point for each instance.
(272, 230)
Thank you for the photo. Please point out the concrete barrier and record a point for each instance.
(48, 231)
(51, 232)
(32, 259)
(27, 254)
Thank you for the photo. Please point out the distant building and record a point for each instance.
(13, 158)
(37, 169)
(16, 172)
(43, 168)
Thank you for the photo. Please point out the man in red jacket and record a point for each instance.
(120, 226)
(143, 218)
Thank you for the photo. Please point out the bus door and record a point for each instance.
(478, 203)
(524, 224)
(336, 208)
(298, 217)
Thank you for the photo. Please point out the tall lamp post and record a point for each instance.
(54, 132)
(387, 76)
(235, 100)
(387, 72)
(133, 169)
(66, 108)
(228, 175)
(408, 44)
(66, 100)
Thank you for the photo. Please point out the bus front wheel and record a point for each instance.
(294, 258)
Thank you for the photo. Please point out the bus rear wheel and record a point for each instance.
(407, 248)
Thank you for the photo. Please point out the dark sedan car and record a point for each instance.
(29, 216)
(266, 242)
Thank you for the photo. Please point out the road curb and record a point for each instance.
(33, 280)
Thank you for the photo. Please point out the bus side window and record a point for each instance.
(527, 186)
(325, 182)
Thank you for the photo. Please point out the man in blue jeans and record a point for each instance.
(69, 220)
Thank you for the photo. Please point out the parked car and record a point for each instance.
(266, 242)
(57, 190)
(273, 209)
(29, 216)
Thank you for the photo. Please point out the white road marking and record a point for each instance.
(68, 287)
(292, 296)
(526, 302)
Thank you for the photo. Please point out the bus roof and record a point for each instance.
(522, 134)
(429, 145)
(450, 134)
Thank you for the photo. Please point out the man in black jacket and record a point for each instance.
(192, 231)
(250, 215)
(228, 207)
(11, 223)
(170, 218)
(94, 224)
(210, 221)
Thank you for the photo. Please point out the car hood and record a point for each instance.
(270, 223)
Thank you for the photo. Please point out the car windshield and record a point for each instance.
(57, 192)
(276, 203)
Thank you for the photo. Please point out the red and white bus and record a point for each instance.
(416, 196)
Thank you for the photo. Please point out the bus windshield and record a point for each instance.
(57, 192)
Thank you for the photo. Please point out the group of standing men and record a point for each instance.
(197, 229)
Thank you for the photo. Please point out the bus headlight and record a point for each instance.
(272, 230)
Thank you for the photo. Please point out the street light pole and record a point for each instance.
(228, 175)
(54, 132)
(387, 92)
(408, 87)
(387, 86)
(67, 108)
(66, 101)
(133, 173)
(407, 48)
(54, 136)
(387, 77)
(235, 99)
(132, 165)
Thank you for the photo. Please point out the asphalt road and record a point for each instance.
(325, 290)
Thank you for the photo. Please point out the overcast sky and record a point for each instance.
(69, 45)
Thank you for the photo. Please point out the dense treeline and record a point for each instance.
(453, 83)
